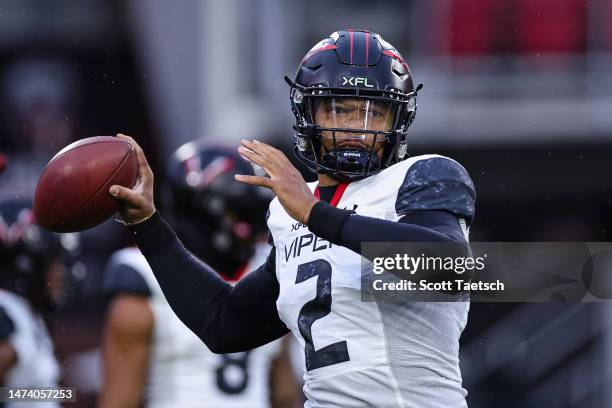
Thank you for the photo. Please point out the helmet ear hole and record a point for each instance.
(301, 143)
(402, 149)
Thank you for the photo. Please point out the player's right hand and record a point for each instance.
(137, 202)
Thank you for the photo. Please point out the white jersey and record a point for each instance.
(372, 354)
(36, 365)
(183, 372)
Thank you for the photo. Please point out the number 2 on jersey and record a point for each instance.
(314, 310)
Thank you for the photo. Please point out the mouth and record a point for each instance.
(352, 144)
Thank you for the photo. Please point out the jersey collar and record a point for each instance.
(337, 194)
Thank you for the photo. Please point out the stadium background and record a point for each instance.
(519, 91)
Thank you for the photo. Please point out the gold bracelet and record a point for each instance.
(131, 224)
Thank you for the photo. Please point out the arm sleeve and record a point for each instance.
(342, 227)
(227, 318)
(435, 193)
(120, 278)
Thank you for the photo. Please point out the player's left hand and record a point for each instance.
(285, 180)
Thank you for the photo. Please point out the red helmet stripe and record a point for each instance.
(395, 56)
(318, 50)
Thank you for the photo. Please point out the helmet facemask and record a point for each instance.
(350, 136)
(352, 132)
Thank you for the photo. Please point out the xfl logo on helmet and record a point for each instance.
(356, 81)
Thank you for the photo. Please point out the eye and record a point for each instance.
(337, 109)
(342, 109)
(377, 114)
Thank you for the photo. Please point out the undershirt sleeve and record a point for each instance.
(227, 318)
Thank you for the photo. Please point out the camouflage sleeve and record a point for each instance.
(437, 183)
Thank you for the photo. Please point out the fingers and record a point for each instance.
(254, 180)
(144, 170)
(263, 154)
(130, 140)
(260, 148)
(270, 151)
(142, 159)
(252, 156)
(133, 198)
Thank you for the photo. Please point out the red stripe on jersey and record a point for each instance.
(337, 194)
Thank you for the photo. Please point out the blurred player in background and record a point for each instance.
(33, 265)
(150, 356)
(42, 96)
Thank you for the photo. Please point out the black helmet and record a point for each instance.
(30, 256)
(216, 217)
(358, 68)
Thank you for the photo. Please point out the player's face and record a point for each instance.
(356, 114)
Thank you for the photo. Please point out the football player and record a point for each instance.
(32, 283)
(149, 354)
(353, 98)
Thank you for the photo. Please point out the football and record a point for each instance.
(72, 192)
